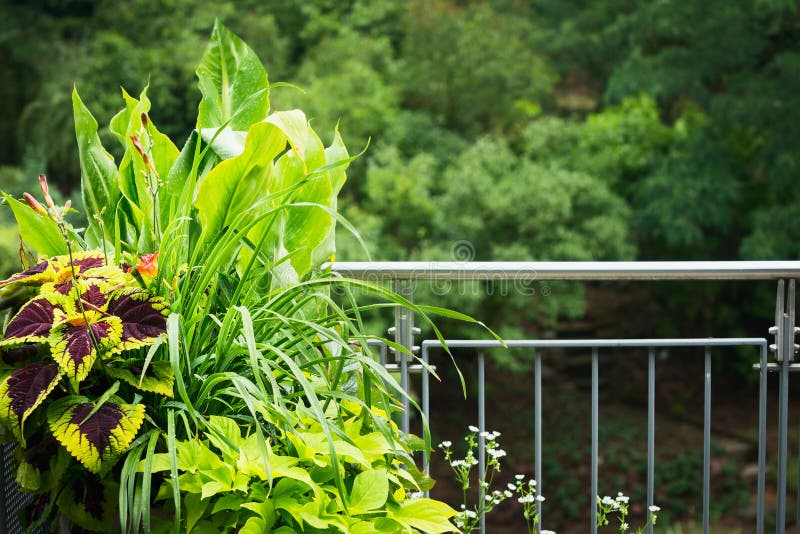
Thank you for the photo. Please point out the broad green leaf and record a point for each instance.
(370, 491)
(254, 525)
(195, 508)
(99, 182)
(234, 185)
(225, 434)
(233, 83)
(38, 231)
(95, 435)
(89, 502)
(424, 514)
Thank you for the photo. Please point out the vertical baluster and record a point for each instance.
(481, 439)
(595, 422)
(651, 429)
(537, 429)
(762, 439)
(707, 441)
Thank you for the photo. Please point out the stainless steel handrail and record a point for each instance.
(567, 270)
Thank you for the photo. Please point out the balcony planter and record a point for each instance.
(182, 357)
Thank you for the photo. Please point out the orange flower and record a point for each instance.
(148, 264)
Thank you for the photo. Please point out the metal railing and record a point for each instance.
(404, 274)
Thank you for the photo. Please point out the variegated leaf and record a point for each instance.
(76, 342)
(143, 317)
(35, 320)
(23, 390)
(158, 378)
(39, 273)
(94, 439)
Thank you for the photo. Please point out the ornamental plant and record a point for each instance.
(180, 364)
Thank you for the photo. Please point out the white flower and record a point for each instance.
(495, 434)
(473, 428)
(654, 508)
(508, 494)
(622, 498)
(446, 444)
(496, 453)
(416, 495)
(548, 532)
(624, 526)
(531, 482)
(540, 498)
(519, 477)
(526, 499)
(511, 486)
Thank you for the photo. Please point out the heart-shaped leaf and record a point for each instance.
(34, 321)
(76, 342)
(39, 273)
(23, 390)
(95, 436)
(143, 317)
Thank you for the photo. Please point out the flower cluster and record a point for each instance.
(468, 517)
(610, 506)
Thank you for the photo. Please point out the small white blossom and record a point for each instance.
(511, 486)
(548, 532)
(525, 499)
(531, 482)
(622, 498)
(508, 494)
(540, 498)
(416, 495)
(446, 444)
(654, 508)
(473, 428)
(624, 526)
(519, 477)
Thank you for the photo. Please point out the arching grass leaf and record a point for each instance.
(142, 316)
(158, 378)
(95, 439)
(35, 320)
(23, 391)
(76, 342)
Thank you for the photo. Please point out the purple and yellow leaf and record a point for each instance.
(94, 439)
(143, 317)
(35, 320)
(38, 274)
(64, 280)
(76, 342)
(23, 390)
(158, 378)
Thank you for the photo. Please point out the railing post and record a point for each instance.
(404, 335)
(784, 348)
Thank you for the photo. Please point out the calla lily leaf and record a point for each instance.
(95, 439)
(159, 377)
(34, 321)
(76, 342)
(142, 315)
(23, 390)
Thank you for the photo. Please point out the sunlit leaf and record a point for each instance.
(23, 391)
(158, 378)
(95, 439)
(77, 341)
(39, 231)
(142, 316)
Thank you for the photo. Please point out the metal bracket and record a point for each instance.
(784, 329)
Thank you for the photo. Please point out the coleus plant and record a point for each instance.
(72, 343)
(227, 312)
